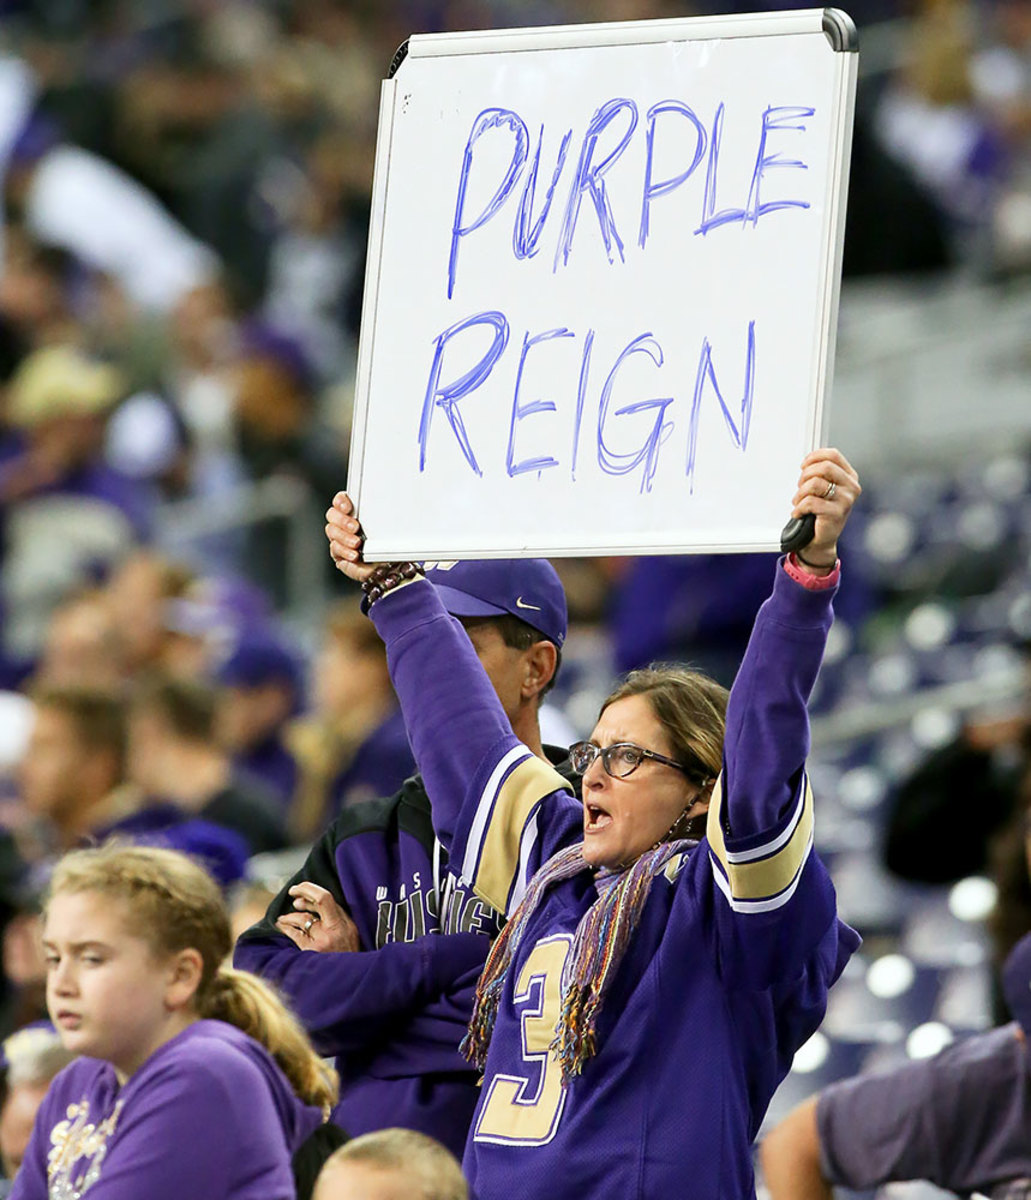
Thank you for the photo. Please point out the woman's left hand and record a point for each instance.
(828, 487)
(319, 923)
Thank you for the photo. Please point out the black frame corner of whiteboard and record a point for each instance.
(401, 53)
(841, 31)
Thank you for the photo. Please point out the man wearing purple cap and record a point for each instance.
(961, 1120)
(384, 992)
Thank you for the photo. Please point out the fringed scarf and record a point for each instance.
(600, 941)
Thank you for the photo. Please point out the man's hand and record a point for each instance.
(319, 923)
(828, 487)
(346, 539)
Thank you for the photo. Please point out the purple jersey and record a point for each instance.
(728, 971)
(209, 1116)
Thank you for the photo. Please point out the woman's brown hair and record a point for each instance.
(692, 709)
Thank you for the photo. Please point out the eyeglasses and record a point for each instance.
(619, 760)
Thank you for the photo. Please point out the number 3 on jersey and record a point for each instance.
(521, 1111)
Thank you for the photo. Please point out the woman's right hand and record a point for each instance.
(346, 539)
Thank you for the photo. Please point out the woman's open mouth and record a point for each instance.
(597, 818)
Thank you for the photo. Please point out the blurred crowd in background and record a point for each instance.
(185, 192)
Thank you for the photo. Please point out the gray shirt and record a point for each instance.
(961, 1120)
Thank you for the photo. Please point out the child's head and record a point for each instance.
(392, 1164)
(136, 939)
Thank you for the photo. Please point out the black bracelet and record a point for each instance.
(818, 566)
(384, 578)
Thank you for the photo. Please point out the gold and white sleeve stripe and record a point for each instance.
(763, 877)
(504, 828)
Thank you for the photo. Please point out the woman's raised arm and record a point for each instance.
(499, 809)
(760, 823)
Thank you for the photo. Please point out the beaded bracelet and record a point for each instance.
(385, 577)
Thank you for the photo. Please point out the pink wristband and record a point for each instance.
(815, 583)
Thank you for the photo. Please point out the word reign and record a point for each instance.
(625, 435)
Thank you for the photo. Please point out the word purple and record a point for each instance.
(588, 177)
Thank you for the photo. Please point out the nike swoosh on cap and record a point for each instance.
(521, 604)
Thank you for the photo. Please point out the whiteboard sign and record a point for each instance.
(602, 286)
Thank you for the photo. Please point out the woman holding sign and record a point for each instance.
(670, 941)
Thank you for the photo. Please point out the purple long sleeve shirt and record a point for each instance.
(961, 1119)
(727, 972)
(209, 1116)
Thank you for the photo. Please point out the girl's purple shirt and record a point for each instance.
(209, 1116)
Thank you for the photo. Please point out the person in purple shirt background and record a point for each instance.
(664, 609)
(672, 939)
(959, 1120)
(351, 745)
(261, 688)
(355, 938)
(193, 1079)
(174, 756)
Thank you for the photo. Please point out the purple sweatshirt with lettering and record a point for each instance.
(393, 1013)
(209, 1116)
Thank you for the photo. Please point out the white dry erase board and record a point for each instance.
(602, 285)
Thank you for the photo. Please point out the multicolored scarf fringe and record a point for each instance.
(601, 939)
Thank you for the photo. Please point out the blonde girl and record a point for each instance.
(194, 1082)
